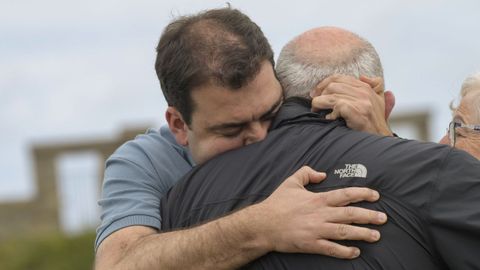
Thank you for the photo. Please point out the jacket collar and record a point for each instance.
(297, 109)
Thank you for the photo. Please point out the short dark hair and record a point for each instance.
(220, 46)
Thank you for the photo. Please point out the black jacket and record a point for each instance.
(430, 192)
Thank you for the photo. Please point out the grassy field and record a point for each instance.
(48, 252)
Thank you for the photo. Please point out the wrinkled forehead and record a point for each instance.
(469, 107)
(216, 103)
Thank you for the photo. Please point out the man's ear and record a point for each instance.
(177, 125)
(389, 103)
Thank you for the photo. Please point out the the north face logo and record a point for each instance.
(352, 170)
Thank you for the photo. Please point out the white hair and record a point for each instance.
(298, 75)
(471, 87)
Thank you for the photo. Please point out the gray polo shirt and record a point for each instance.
(137, 176)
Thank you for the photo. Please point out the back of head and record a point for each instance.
(321, 52)
(219, 46)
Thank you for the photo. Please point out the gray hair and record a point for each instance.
(298, 75)
(471, 86)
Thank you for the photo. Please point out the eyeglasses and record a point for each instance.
(452, 130)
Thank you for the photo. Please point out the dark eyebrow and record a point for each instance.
(266, 115)
(273, 110)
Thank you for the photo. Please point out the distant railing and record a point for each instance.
(41, 214)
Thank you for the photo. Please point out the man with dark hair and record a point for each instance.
(430, 191)
(216, 71)
(221, 47)
(219, 52)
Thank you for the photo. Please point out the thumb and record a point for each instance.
(389, 103)
(307, 175)
(376, 83)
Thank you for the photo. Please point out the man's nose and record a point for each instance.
(257, 132)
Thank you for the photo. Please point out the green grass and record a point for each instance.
(52, 252)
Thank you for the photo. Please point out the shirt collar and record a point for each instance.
(297, 109)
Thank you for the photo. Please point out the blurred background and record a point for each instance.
(77, 79)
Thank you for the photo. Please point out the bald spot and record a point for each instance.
(341, 45)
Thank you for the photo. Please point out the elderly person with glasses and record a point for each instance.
(464, 130)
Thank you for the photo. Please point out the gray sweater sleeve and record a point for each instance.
(137, 176)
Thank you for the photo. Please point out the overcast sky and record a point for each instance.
(75, 69)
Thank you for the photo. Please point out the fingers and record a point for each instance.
(323, 102)
(336, 250)
(298, 220)
(333, 115)
(336, 84)
(376, 84)
(344, 196)
(347, 88)
(343, 84)
(342, 106)
(357, 215)
(350, 232)
(307, 175)
(317, 91)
